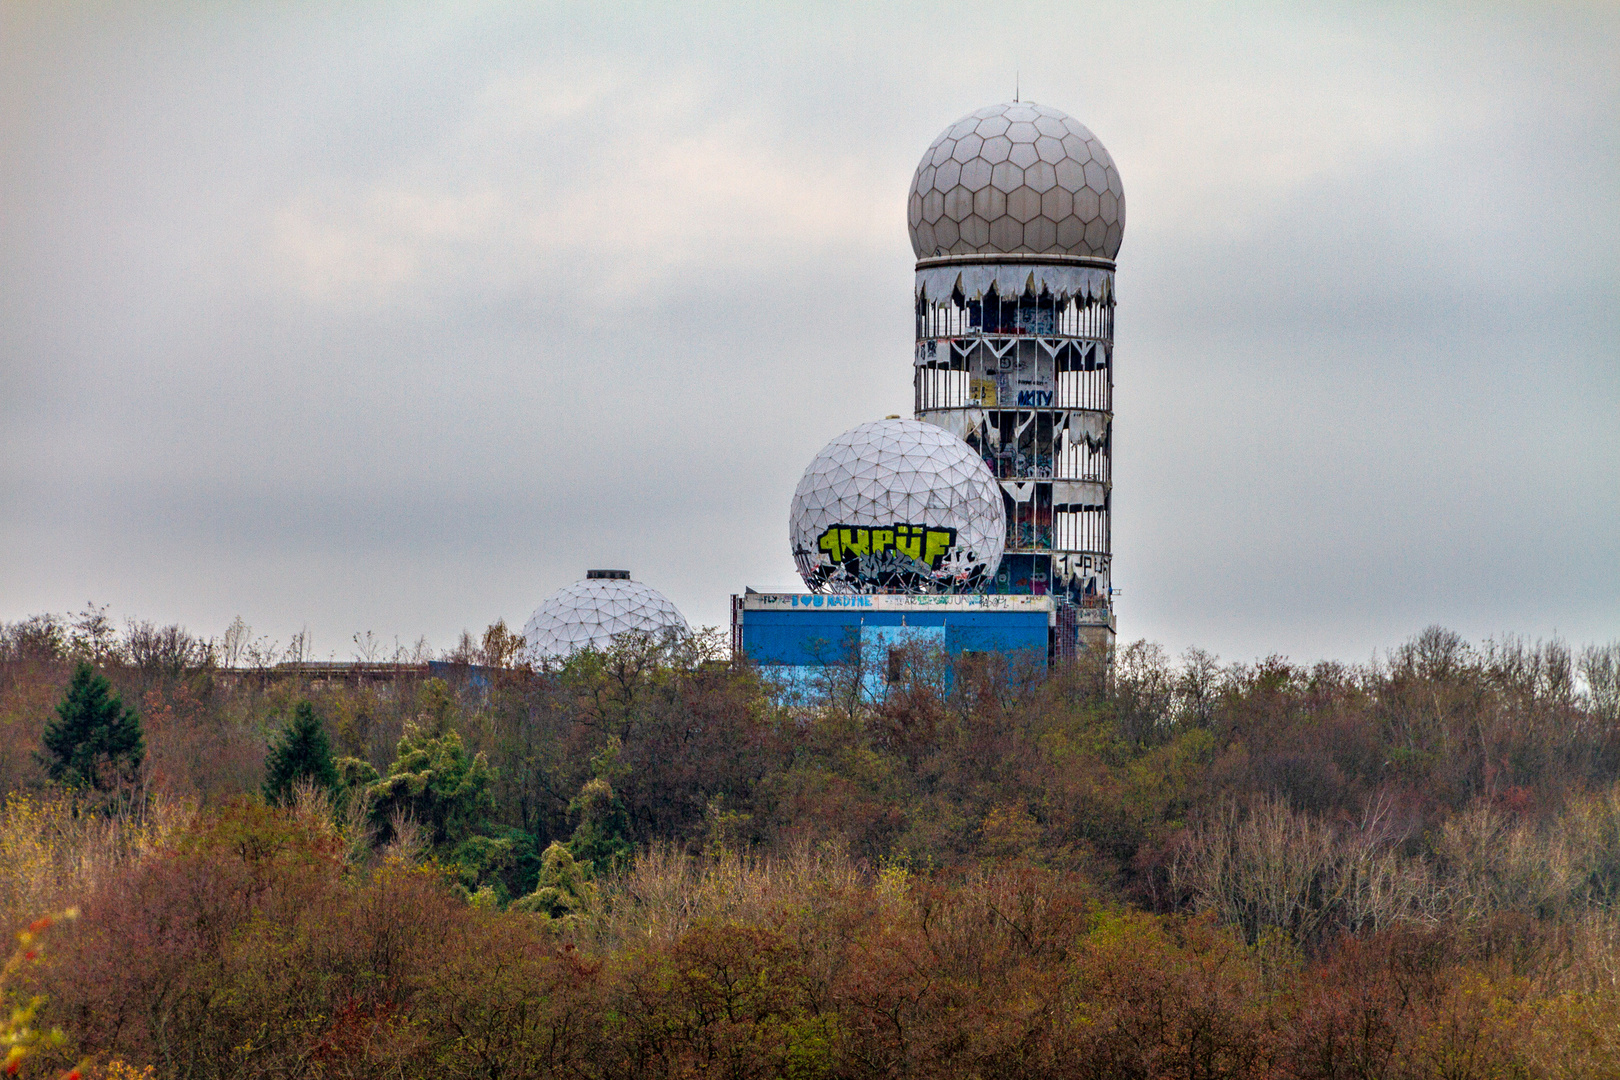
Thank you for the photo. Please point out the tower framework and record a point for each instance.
(1023, 372)
(1016, 214)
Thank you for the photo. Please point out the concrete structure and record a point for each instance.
(1016, 214)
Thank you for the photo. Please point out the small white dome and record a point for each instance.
(591, 613)
(897, 505)
(1017, 178)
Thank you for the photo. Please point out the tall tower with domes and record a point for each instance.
(1016, 214)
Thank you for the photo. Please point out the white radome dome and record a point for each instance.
(1017, 178)
(897, 505)
(591, 613)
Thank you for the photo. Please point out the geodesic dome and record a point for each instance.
(1017, 178)
(897, 506)
(591, 613)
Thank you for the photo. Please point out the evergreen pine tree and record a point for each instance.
(94, 742)
(300, 752)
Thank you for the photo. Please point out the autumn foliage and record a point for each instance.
(649, 862)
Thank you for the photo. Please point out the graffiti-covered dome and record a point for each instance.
(591, 613)
(897, 505)
(1017, 178)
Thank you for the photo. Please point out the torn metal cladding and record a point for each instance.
(1088, 281)
(1025, 378)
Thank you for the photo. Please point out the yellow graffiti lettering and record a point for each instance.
(937, 544)
(923, 543)
(909, 540)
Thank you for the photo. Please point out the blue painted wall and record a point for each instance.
(812, 637)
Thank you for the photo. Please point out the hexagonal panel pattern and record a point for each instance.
(992, 161)
(591, 613)
(897, 505)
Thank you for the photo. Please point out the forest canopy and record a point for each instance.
(648, 859)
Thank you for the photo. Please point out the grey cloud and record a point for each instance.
(399, 319)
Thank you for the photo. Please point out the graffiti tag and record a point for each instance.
(885, 545)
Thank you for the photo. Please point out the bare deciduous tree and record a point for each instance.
(367, 647)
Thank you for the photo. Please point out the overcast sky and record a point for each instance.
(397, 317)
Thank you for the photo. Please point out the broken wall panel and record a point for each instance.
(1018, 362)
